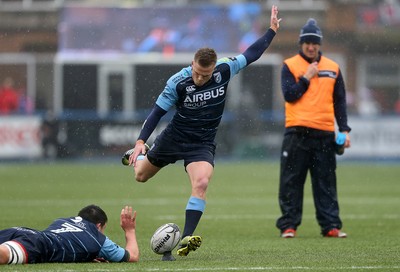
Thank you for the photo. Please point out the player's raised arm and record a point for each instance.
(255, 51)
(128, 224)
(274, 18)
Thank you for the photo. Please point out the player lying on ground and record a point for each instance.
(198, 92)
(68, 240)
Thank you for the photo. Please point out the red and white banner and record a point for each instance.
(20, 137)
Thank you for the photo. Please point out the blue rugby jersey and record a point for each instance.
(77, 240)
(198, 109)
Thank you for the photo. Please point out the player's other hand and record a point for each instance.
(274, 18)
(140, 148)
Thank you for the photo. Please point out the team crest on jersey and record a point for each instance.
(217, 77)
(190, 89)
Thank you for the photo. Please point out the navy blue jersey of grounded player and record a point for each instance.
(65, 240)
(199, 109)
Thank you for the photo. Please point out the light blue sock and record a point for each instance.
(196, 204)
(194, 210)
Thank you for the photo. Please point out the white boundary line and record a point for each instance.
(272, 216)
(269, 268)
(255, 268)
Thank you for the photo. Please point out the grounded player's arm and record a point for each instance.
(292, 89)
(111, 252)
(255, 51)
(128, 224)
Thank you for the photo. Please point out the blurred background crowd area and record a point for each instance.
(88, 72)
(364, 35)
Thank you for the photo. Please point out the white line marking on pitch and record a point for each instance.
(257, 268)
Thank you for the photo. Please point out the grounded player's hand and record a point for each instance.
(128, 218)
(274, 18)
(100, 260)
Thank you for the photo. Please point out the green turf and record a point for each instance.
(238, 226)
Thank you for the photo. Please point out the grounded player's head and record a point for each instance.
(94, 214)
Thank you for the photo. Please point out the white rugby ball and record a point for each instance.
(165, 238)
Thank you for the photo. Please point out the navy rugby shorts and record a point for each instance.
(31, 241)
(165, 151)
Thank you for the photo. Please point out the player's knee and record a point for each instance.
(145, 172)
(12, 253)
(141, 177)
(4, 254)
(201, 185)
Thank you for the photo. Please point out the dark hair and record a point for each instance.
(205, 57)
(94, 214)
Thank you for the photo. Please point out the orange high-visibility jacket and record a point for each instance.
(315, 108)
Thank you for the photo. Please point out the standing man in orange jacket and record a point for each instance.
(314, 93)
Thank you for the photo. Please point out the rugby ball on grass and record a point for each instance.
(165, 238)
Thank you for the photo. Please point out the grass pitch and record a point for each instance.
(238, 227)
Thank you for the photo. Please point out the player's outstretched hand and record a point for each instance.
(128, 224)
(274, 18)
(128, 219)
